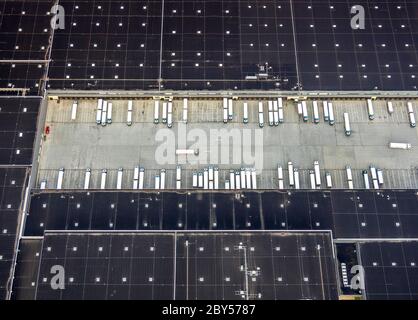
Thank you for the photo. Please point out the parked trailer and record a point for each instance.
(275, 113)
(185, 108)
(237, 180)
(43, 184)
(205, 179)
(170, 115)
(119, 179)
(230, 109)
(280, 103)
(242, 175)
(185, 115)
(248, 178)
(300, 109)
(279, 173)
(305, 111)
(349, 173)
(129, 118)
(178, 184)
(370, 109)
(141, 178)
(366, 179)
(225, 115)
(245, 120)
(162, 179)
(260, 107)
(326, 110)
(165, 111)
(225, 103)
(254, 178)
(74, 110)
(200, 180)
(104, 114)
(156, 112)
(349, 177)
(225, 109)
(109, 113)
(412, 121)
(260, 115)
(178, 173)
(216, 178)
(280, 177)
(291, 175)
(87, 177)
(315, 112)
(397, 145)
(296, 176)
(331, 114)
(103, 179)
(232, 179)
(211, 174)
(312, 179)
(60, 178)
(281, 115)
(136, 178)
(227, 185)
(380, 176)
(373, 172)
(180, 152)
(271, 116)
(99, 111)
(410, 107)
(261, 120)
(390, 107)
(157, 182)
(194, 180)
(328, 179)
(129, 114)
(317, 173)
(347, 125)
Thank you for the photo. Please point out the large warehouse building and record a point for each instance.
(208, 150)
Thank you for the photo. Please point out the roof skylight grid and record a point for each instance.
(336, 210)
(118, 42)
(360, 56)
(393, 268)
(211, 45)
(138, 244)
(156, 275)
(278, 44)
(12, 184)
(25, 31)
(17, 129)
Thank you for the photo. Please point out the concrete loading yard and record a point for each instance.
(80, 144)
